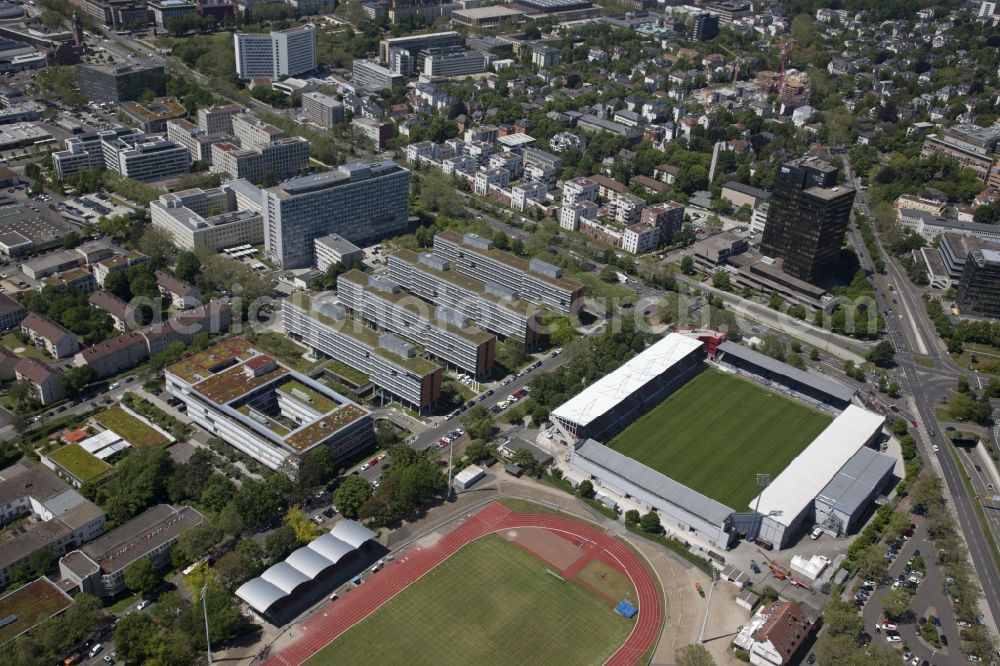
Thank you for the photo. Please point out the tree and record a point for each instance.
(136, 638)
(585, 489)
(478, 422)
(687, 265)
(720, 280)
(188, 266)
(280, 543)
(352, 494)
(523, 459)
(217, 492)
(871, 563)
(141, 576)
(897, 604)
(78, 378)
(882, 354)
(477, 451)
(693, 655)
(650, 522)
(235, 568)
(117, 284)
(632, 517)
(773, 346)
(963, 384)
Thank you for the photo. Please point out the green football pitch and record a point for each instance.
(717, 432)
(489, 603)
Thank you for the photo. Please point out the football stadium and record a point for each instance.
(685, 428)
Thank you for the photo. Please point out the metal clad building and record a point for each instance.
(844, 502)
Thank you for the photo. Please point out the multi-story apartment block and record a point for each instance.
(628, 208)
(215, 218)
(46, 334)
(322, 109)
(372, 77)
(84, 151)
(972, 147)
(567, 141)
(145, 158)
(266, 410)
(63, 519)
(218, 119)
(535, 281)
(122, 262)
(359, 202)
(578, 190)
(45, 382)
(389, 362)
(521, 194)
(510, 162)
(11, 313)
(570, 216)
(487, 179)
(444, 333)
(273, 55)
(460, 164)
(375, 133)
(281, 159)
(493, 307)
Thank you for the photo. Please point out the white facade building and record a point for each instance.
(273, 55)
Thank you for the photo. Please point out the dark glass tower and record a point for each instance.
(807, 218)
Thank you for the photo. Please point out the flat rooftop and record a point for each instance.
(146, 532)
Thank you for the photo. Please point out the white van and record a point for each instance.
(96, 650)
(816, 533)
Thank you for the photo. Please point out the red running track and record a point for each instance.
(338, 617)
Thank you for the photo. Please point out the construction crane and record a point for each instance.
(738, 59)
(778, 571)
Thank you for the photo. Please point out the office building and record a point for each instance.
(153, 116)
(167, 11)
(332, 250)
(414, 44)
(454, 61)
(705, 27)
(120, 83)
(85, 151)
(99, 567)
(373, 132)
(389, 362)
(807, 218)
(273, 55)
(59, 517)
(973, 147)
(492, 306)
(252, 132)
(362, 203)
(445, 334)
(145, 158)
(373, 77)
(197, 141)
(535, 281)
(979, 290)
(215, 218)
(266, 410)
(543, 55)
(481, 18)
(218, 119)
(322, 109)
(279, 159)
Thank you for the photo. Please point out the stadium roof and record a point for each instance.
(304, 565)
(813, 469)
(823, 384)
(853, 485)
(656, 483)
(606, 393)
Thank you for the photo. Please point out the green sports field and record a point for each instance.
(717, 432)
(489, 603)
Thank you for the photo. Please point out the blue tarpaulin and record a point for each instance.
(626, 609)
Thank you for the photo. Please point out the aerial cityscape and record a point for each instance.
(552, 332)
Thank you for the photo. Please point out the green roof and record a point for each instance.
(319, 402)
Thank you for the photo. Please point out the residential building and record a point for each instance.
(570, 216)
(375, 132)
(979, 290)
(491, 306)
(657, 228)
(98, 568)
(578, 190)
(78, 279)
(535, 281)
(121, 314)
(359, 202)
(57, 516)
(45, 382)
(665, 173)
(774, 635)
(152, 117)
(122, 262)
(272, 55)
(145, 158)
(219, 119)
(533, 191)
(445, 334)
(115, 355)
(332, 249)
(373, 77)
(182, 295)
(567, 141)
(46, 334)
(279, 159)
(216, 218)
(389, 362)
(266, 410)
(543, 55)
(807, 219)
(120, 83)
(454, 61)
(488, 179)
(11, 313)
(972, 147)
(322, 109)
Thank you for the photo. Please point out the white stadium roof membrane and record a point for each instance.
(606, 393)
(808, 474)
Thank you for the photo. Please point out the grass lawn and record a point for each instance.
(352, 375)
(718, 432)
(11, 342)
(489, 603)
(79, 463)
(134, 431)
(33, 603)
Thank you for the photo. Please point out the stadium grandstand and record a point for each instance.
(310, 572)
(614, 401)
(788, 502)
(811, 388)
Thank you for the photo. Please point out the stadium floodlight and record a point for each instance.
(763, 481)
